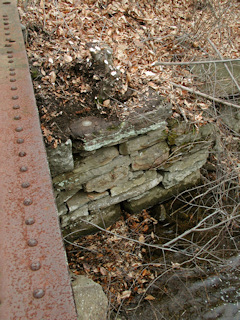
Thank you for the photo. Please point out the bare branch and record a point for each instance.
(187, 63)
(204, 95)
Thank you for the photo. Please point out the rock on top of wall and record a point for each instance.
(96, 132)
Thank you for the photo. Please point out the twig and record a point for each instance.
(162, 63)
(81, 247)
(197, 229)
(44, 16)
(225, 65)
(167, 244)
(205, 95)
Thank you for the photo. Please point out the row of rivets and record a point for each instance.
(34, 266)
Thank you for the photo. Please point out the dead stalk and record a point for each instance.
(204, 95)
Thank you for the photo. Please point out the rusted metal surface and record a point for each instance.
(34, 280)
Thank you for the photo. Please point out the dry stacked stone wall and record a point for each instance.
(107, 165)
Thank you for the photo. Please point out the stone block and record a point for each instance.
(75, 179)
(159, 194)
(153, 180)
(214, 77)
(60, 159)
(142, 142)
(64, 196)
(129, 185)
(231, 116)
(98, 159)
(184, 133)
(151, 157)
(81, 198)
(73, 218)
(91, 302)
(62, 210)
(108, 180)
(179, 170)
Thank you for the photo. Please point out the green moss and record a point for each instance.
(113, 127)
(171, 139)
(35, 73)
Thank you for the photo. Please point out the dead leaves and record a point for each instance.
(140, 33)
(118, 264)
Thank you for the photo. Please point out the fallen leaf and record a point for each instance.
(103, 271)
(106, 103)
(149, 297)
(67, 58)
(52, 76)
(125, 294)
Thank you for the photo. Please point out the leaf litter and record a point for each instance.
(118, 264)
(141, 34)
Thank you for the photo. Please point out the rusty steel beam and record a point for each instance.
(34, 279)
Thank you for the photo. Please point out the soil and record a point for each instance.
(59, 110)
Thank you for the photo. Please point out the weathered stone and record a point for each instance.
(140, 179)
(151, 157)
(159, 194)
(64, 196)
(88, 224)
(62, 210)
(91, 302)
(133, 178)
(101, 132)
(75, 179)
(152, 179)
(108, 180)
(102, 70)
(60, 159)
(81, 198)
(73, 217)
(143, 141)
(96, 160)
(179, 170)
(184, 133)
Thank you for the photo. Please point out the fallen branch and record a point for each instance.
(204, 95)
(187, 63)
